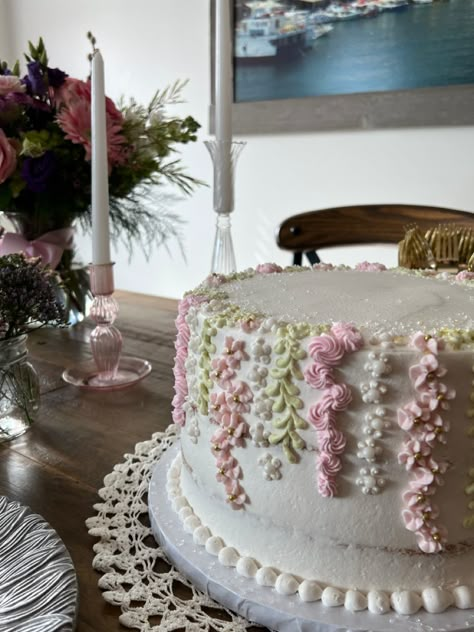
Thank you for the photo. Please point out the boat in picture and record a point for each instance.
(271, 32)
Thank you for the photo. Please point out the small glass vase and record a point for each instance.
(19, 389)
(224, 157)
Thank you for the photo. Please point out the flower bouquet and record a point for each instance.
(45, 170)
(28, 300)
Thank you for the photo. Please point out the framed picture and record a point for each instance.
(308, 65)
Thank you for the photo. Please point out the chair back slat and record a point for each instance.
(364, 224)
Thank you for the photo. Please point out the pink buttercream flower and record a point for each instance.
(413, 453)
(412, 415)
(321, 419)
(74, 118)
(222, 441)
(425, 374)
(419, 498)
(437, 469)
(319, 376)
(221, 372)
(324, 267)
(365, 266)
(425, 343)
(238, 397)
(217, 406)
(7, 157)
(332, 441)
(234, 350)
(348, 336)
(326, 349)
(328, 464)
(236, 496)
(215, 280)
(341, 396)
(434, 430)
(464, 275)
(10, 83)
(268, 268)
(439, 398)
(228, 469)
(327, 488)
(250, 324)
(432, 539)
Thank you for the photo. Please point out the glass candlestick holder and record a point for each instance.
(224, 158)
(109, 370)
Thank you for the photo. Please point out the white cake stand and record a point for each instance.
(265, 605)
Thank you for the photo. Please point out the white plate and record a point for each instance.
(38, 585)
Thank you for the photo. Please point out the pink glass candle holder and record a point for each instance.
(110, 370)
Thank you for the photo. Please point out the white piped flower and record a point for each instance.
(258, 376)
(261, 351)
(264, 407)
(271, 466)
(259, 435)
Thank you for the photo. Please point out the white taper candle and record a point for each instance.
(100, 175)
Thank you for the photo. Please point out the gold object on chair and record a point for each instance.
(414, 251)
(452, 245)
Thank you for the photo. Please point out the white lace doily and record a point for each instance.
(151, 594)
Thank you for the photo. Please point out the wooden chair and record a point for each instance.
(364, 224)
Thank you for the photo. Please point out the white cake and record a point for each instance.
(327, 443)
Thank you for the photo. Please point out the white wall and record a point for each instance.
(150, 43)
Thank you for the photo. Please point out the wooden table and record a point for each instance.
(58, 465)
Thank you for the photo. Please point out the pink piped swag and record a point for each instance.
(327, 351)
(226, 409)
(422, 420)
(181, 346)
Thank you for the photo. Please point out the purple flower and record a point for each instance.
(37, 171)
(56, 77)
(34, 81)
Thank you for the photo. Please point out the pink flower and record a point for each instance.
(438, 398)
(235, 352)
(215, 280)
(412, 415)
(7, 157)
(424, 375)
(348, 336)
(235, 494)
(413, 453)
(321, 419)
(464, 275)
(324, 267)
(425, 343)
(217, 407)
(221, 372)
(228, 469)
(268, 268)
(432, 539)
(341, 396)
(332, 441)
(10, 83)
(238, 397)
(365, 266)
(319, 376)
(327, 487)
(326, 349)
(328, 464)
(250, 324)
(74, 118)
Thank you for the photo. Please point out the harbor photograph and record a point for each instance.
(306, 48)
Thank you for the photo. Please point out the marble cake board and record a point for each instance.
(264, 605)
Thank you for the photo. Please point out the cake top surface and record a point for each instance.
(372, 300)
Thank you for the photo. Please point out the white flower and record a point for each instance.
(258, 376)
(261, 351)
(271, 466)
(263, 406)
(259, 435)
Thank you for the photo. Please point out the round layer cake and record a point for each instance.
(328, 430)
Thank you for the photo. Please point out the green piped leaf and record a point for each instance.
(279, 404)
(273, 389)
(468, 522)
(296, 441)
(277, 437)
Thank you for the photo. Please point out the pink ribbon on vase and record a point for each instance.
(49, 247)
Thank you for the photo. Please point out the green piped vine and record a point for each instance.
(284, 391)
(206, 348)
(469, 489)
(456, 338)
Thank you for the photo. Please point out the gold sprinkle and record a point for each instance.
(418, 456)
(438, 431)
(440, 397)
(222, 471)
(427, 337)
(215, 406)
(230, 431)
(236, 398)
(417, 420)
(431, 376)
(426, 515)
(228, 351)
(436, 537)
(216, 448)
(420, 498)
(231, 498)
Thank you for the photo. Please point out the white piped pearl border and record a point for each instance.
(433, 600)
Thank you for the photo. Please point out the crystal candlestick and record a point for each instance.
(224, 157)
(110, 370)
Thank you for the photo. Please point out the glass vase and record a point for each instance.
(19, 389)
(224, 158)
